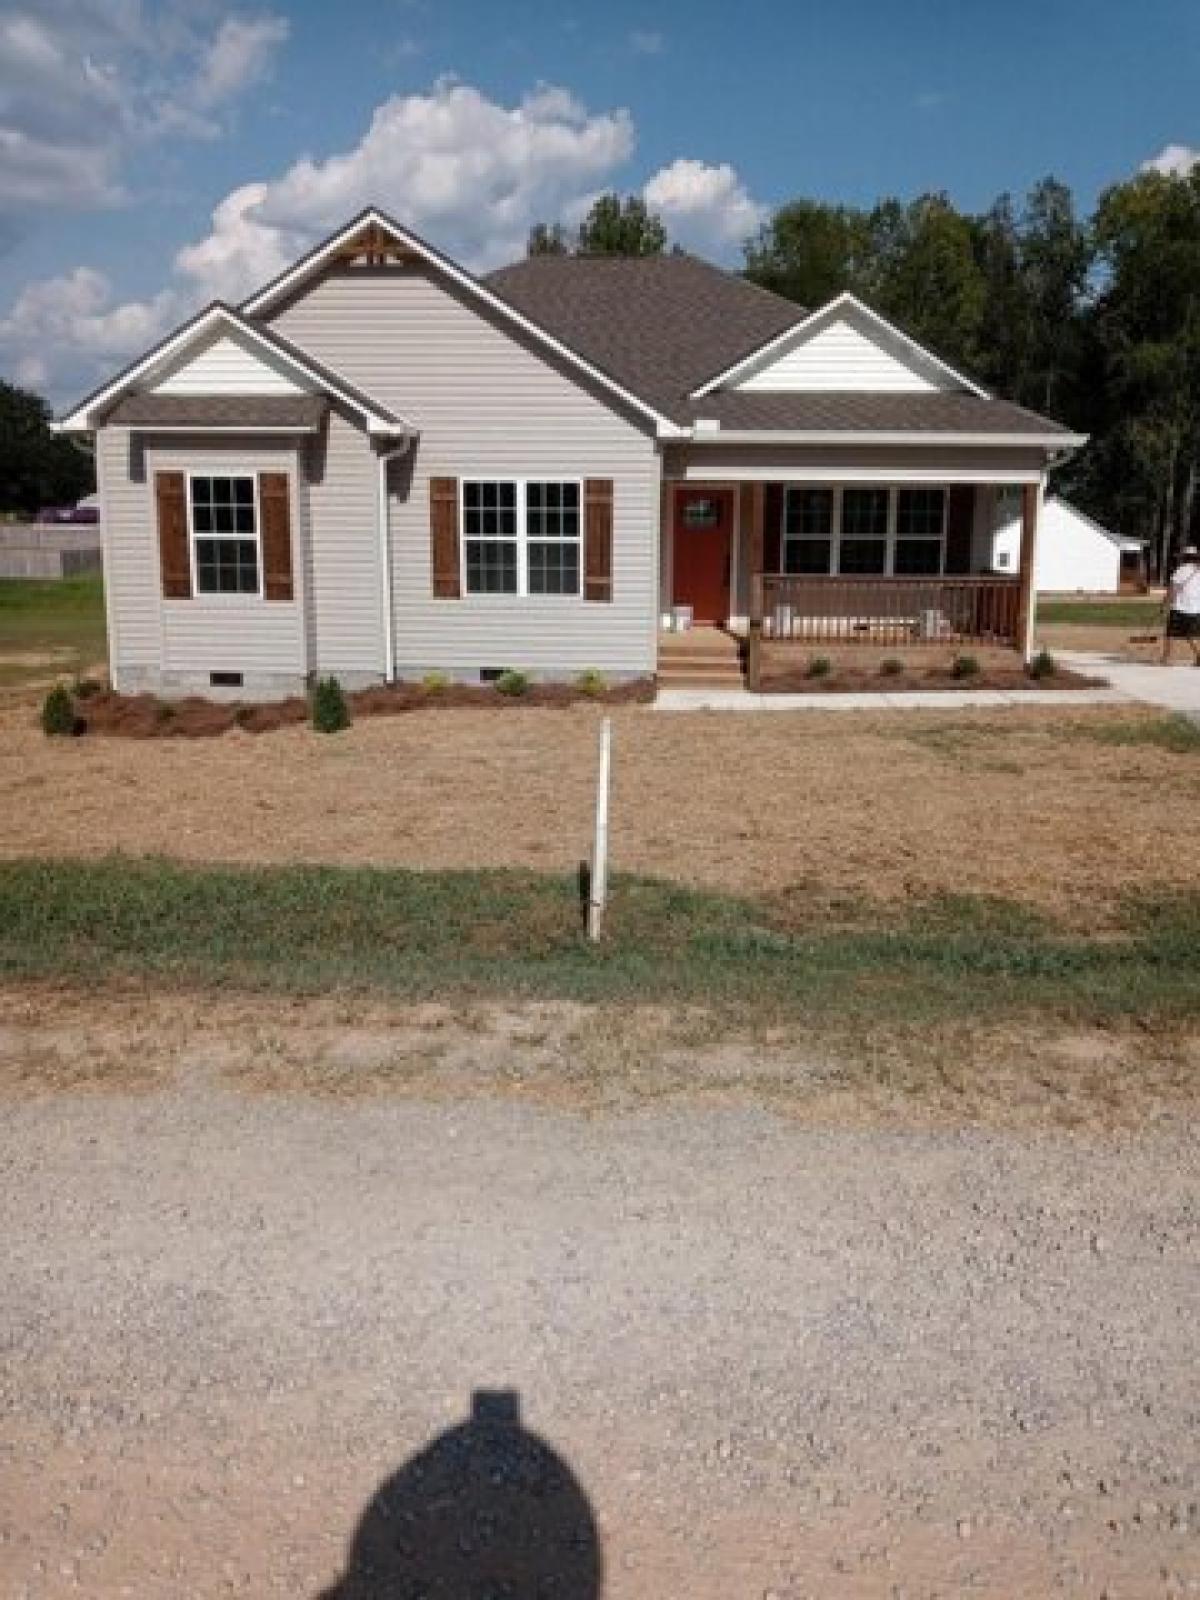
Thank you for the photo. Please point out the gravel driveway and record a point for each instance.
(779, 1360)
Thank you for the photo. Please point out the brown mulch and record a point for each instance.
(145, 716)
(849, 681)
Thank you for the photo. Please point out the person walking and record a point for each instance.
(1183, 604)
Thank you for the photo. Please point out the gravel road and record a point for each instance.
(779, 1360)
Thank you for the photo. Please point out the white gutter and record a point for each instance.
(703, 434)
(385, 557)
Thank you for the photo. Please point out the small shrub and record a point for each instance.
(85, 688)
(58, 713)
(165, 712)
(965, 667)
(512, 683)
(244, 716)
(891, 667)
(435, 682)
(591, 683)
(330, 713)
(819, 667)
(1043, 665)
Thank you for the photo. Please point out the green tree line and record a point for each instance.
(1094, 320)
(37, 467)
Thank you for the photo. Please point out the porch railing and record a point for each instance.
(888, 611)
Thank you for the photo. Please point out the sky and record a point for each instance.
(157, 154)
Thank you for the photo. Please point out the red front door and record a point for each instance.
(703, 546)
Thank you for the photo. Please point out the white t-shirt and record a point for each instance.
(1185, 589)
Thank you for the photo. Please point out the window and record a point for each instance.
(704, 513)
(807, 530)
(522, 536)
(490, 536)
(224, 526)
(920, 528)
(863, 531)
(552, 534)
(863, 547)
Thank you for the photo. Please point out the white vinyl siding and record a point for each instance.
(207, 633)
(488, 407)
(843, 356)
(346, 610)
(228, 366)
(856, 464)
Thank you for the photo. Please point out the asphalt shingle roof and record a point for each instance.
(281, 411)
(659, 325)
(957, 411)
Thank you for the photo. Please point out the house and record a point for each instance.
(1075, 555)
(380, 465)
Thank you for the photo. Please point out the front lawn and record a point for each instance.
(517, 936)
(50, 629)
(1130, 613)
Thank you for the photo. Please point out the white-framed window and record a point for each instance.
(224, 531)
(867, 530)
(522, 536)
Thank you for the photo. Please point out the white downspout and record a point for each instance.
(385, 558)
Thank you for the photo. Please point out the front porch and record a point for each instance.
(799, 568)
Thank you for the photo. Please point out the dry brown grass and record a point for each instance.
(587, 1060)
(821, 807)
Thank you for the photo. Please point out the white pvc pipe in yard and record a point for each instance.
(598, 882)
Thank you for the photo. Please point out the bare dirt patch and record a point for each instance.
(1129, 644)
(812, 807)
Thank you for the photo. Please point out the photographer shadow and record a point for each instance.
(488, 1511)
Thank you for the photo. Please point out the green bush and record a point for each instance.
(435, 682)
(965, 667)
(512, 683)
(591, 683)
(165, 712)
(85, 688)
(819, 667)
(58, 713)
(891, 667)
(330, 713)
(1043, 665)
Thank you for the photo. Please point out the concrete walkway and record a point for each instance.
(906, 700)
(1175, 688)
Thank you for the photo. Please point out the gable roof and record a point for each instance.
(377, 418)
(842, 305)
(535, 328)
(661, 324)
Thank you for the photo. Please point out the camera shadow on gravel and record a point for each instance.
(487, 1509)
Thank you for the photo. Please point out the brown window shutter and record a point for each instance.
(443, 538)
(174, 558)
(597, 538)
(960, 514)
(773, 528)
(275, 515)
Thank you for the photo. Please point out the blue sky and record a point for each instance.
(155, 153)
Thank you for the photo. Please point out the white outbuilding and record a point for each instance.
(1075, 555)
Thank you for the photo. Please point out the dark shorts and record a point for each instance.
(1182, 625)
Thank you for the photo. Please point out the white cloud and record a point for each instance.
(646, 41)
(84, 84)
(1173, 160)
(704, 207)
(240, 55)
(467, 172)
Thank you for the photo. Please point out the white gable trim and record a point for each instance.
(842, 304)
(312, 263)
(201, 327)
(229, 364)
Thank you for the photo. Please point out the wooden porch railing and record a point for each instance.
(888, 611)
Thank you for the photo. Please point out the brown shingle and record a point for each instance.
(830, 412)
(659, 325)
(282, 411)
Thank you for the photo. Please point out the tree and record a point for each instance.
(616, 227)
(547, 239)
(811, 252)
(37, 467)
(931, 281)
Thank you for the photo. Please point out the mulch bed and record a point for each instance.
(145, 716)
(850, 681)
